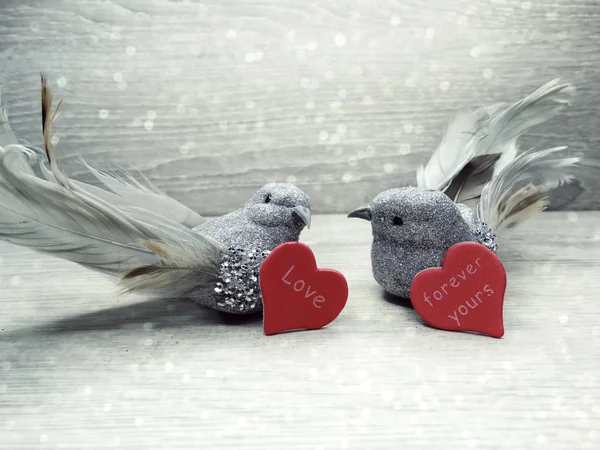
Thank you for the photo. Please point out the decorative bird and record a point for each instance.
(137, 235)
(477, 161)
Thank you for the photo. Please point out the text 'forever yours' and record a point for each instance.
(453, 282)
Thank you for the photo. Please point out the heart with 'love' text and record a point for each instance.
(465, 294)
(296, 294)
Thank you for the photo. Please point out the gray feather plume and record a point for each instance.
(6, 134)
(126, 191)
(479, 144)
(74, 221)
(146, 196)
(524, 187)
(175, 262)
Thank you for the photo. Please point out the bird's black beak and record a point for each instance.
(303, 213)
(364, 212)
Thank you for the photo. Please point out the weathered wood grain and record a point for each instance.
(81, 368)
(212, 99)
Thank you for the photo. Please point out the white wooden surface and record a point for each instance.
(213, 98)
(81, 368)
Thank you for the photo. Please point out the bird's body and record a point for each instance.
(276, 213)
(136, 234)
(412, 230)
(414, 227)
(236, 230)
(253, 225)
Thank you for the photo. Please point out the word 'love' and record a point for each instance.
(299, 285)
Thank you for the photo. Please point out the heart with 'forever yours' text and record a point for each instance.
(465, 294)
(296, 294)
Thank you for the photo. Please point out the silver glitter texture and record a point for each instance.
(480, 229)
(413, 228)
(266, 221)
(486, 237)
(237, 289)
(261, 224)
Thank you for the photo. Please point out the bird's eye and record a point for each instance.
(268, 198)
(397, 221)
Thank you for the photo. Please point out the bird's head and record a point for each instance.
(421, 217)
(279, 204)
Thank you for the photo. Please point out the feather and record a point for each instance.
(506, 157)
(7, 137)
(48, 117)
(146, 196)
(516, 208)
(53, 215)
(524, 187)
(177, 272)
(36, 157)
(77, 225)
(471, 188)
(474, 139)
(125, 191)
(473, 174)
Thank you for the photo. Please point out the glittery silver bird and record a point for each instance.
(478, 162)
(137, 235)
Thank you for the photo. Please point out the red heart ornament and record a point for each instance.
(465, 294)
(296, 294)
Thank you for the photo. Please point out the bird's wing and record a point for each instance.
(145, 195)
(478, 144)
(54, 215)
(124, 189)
(7, 137)
(527, 185)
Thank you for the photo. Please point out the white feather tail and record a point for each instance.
(178, 273)
(479, 143)
(146, 196)
(525, 187)
(7, 137)
(98, 229)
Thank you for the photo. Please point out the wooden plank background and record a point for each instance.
(212, 99)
